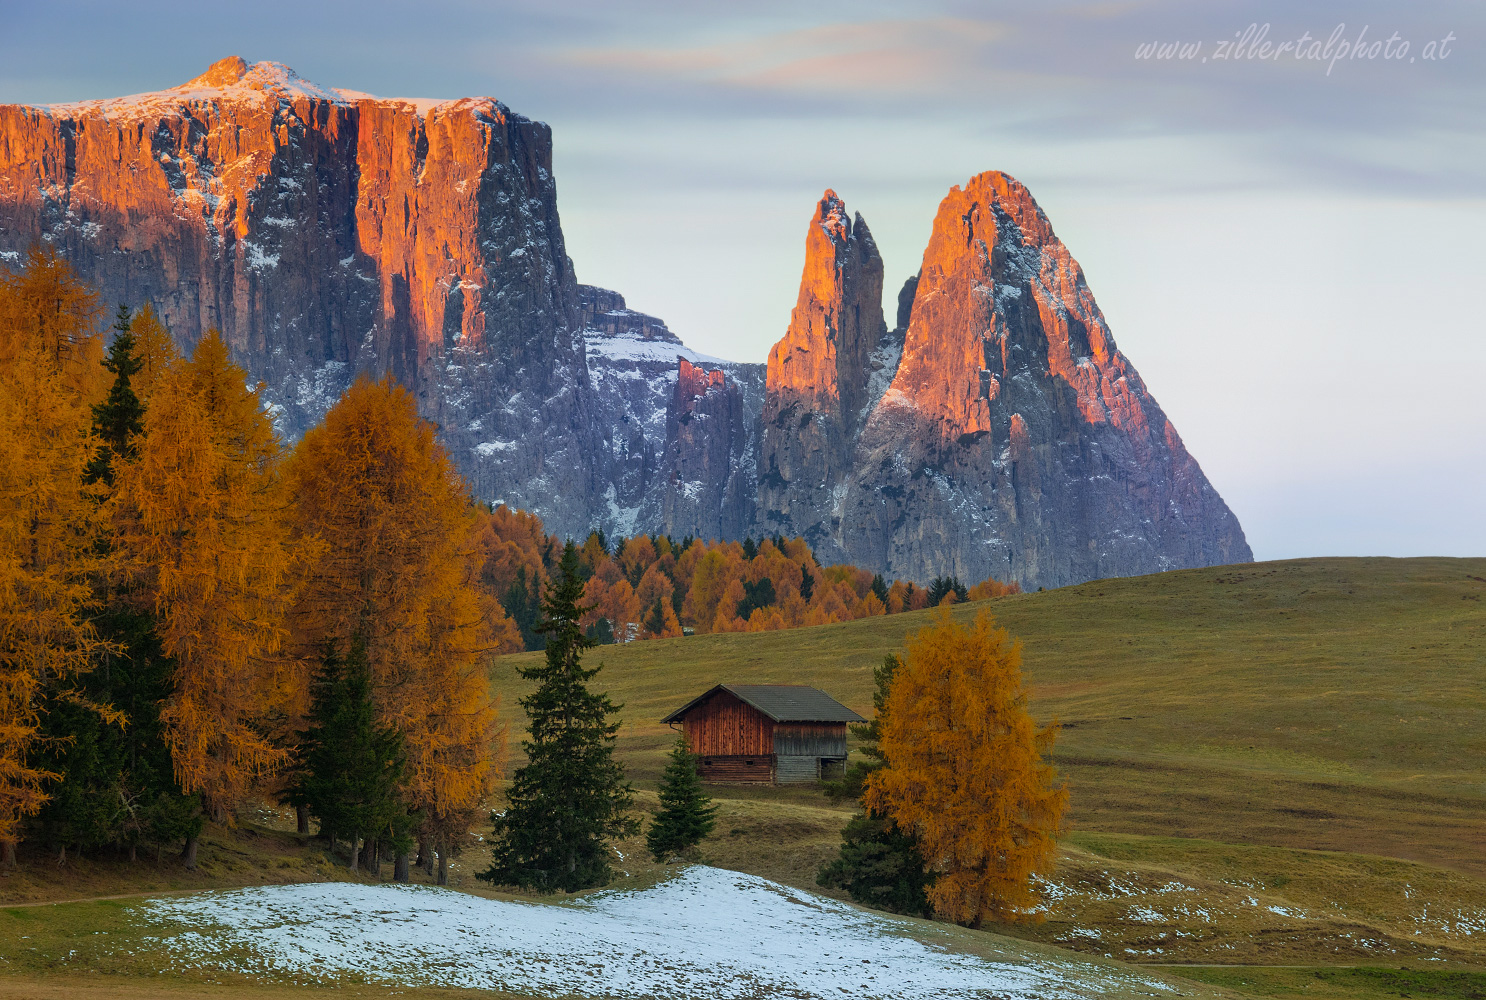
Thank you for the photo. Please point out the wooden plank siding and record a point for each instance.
(739, 768)
(810, 739)
(723, 726)
(795, 770)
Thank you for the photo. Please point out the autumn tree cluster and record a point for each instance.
(960, 805)
(179, 592)
(648, 587)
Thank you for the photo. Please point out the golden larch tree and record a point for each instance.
(200, 522)
(49, 377)
(967, 772)
(154, 348)
(399, 565)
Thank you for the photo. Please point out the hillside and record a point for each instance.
(1322, 703)
(1221, 726)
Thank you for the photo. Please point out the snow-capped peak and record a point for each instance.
(230, 80)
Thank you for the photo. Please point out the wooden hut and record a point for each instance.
(767, 733)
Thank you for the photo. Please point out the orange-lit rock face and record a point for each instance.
(326, 232)
(991, 258)
(818, 374)
(1015, 440)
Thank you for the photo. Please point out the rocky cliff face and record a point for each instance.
(709, 492)
(995, 430)
(817, 382)
(325, 233)
(1015, 440)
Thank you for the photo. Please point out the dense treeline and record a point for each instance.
(192, 615)
(649, 587)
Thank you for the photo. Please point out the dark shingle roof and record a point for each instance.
(780, 702)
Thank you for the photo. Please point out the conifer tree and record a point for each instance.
(104, 734)
(570, 798)
(49, 376)
(118, 420)
(687, 814)
(966, 771)
(353, 769)
(201, 530)
(879, 865)
(391, 528)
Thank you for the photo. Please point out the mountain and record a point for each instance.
(817, 380)
(326, 232)
(679, 427)
(1014, 439)
(994, 430)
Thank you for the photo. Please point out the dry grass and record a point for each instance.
(1256, 753)
(1329, 704)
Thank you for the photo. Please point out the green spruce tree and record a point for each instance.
(351, 770)
(117, 783)
(570, 798)
(687, 814)
(879, 865)
(119, 419)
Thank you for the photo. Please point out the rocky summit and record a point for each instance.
(1014, 440)
(993, 430)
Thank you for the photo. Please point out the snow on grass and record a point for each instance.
(707, 932)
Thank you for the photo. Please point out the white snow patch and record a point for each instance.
(487, 448)
(258, 259)
(641, 350)
(707, 933)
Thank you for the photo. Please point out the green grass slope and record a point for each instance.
(1327, 704)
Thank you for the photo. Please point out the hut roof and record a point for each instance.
(780, 702)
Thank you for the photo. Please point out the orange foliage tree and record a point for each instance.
(718, 586)
(200, 529)
(49, 376)
(967, 773)
(397, 563)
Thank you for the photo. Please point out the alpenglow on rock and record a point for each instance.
(327, 232)
(1013, 440)
(817, 383)
(995, 430)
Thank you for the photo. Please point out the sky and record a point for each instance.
(1289, 249)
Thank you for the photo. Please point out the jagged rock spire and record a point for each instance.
(818, 374)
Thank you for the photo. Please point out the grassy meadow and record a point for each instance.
(1326, 704)
(1278, 778)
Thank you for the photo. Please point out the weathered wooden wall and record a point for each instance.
(724, 726)
(737, 768)
(794, 770)
(810, 739)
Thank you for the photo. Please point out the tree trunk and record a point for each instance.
(443, 864)
(370, 859)
(400, 868)
(133, 853)
(424, 860)
(302, 819)
(428, 860)
(355, 856)
(9, 860)
(189, 854)
(62, 855)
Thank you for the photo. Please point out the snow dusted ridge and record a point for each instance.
(232, 79)
(709, 933)
(633, 365)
